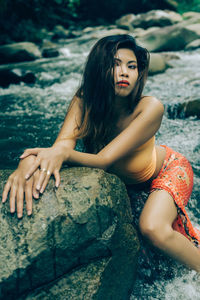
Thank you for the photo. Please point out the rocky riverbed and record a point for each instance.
(35, 93)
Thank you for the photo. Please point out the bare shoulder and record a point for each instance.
(76, 104)
(150, 104)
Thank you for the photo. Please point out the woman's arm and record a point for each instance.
(140, 130)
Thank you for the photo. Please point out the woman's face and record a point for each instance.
(125, 72)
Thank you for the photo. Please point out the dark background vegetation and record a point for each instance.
(22, 20)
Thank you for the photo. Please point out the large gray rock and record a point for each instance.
(79, 243)
(152, 18)
(190, 108)
(186, 109)
(158, 18)
(18, 52)
(169, 38)
(193, 45)
(158, 64)
(125, 22)
(195, 28)
(192, 16)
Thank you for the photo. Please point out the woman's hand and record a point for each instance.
(50, 161)
(21, 188)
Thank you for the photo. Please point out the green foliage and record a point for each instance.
(73, 6)
(188, 5)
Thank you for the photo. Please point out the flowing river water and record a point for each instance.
(31, 116)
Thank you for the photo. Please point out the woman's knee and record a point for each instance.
(158, 234)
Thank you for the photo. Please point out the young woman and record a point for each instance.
(118, 125)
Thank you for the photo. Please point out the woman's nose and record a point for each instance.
(124, 71)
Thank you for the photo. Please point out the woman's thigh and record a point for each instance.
(159, 212)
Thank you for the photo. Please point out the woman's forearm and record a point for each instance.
(68, 143)
(86, 159)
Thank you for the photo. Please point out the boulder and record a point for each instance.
(192, 18)
(191, 15)
(158, 64)
(195, 28)
(19, 52)
(59, 32)
(139, 32)
(125, 22)
(158, 18)
(193, 45)
(191, 108)
(78, 244)
(15, 76)
(169, 38)
(184, 110)
(50, 52)
(106, 32)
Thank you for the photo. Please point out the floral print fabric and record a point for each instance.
(176, 177)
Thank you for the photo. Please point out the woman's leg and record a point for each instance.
(156, 224)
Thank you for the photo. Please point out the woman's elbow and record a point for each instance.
(104, 162)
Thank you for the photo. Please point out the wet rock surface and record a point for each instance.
(79, 243)
(18, 52)
(31, 116)
(156, 30)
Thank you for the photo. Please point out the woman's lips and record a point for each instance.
(123, 83)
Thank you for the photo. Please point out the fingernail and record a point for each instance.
(41, 191)
(29, 212)
(21, 156)
(3, 200)
(57, 185)
(19, 215)
(38, 187)
(27, 176)
(12, 210)
(36, 195)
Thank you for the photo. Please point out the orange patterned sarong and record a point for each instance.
(176, 177)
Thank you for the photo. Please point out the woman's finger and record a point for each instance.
(33, 169)
(57, 178)
(28, 196)
(35, 181)
(46, 180)
(43, 174)
(13, 192)
(27, 152)
(20, 201)
(6, 191)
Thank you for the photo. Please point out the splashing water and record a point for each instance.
(31, 116)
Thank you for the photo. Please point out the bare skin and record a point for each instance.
(133, 130)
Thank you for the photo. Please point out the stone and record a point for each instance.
(59, 32)
(125, 22)
(101, 34)
(193, 45)
(78, 244)
(139, 32)
(158, 18)
(195, 28)
(15, 76)
(19, 52)
(157, 64)
(50, 52)
(191, 108)
(169, 38)
(186, 109)
(191, 15)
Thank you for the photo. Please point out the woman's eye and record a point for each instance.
(132, 67)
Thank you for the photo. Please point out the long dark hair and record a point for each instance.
(97, 91)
